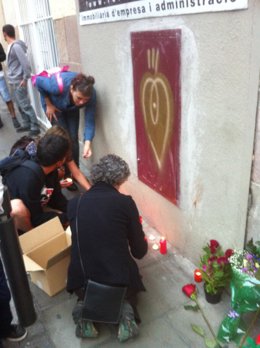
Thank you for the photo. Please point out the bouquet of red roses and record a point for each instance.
(215, 267)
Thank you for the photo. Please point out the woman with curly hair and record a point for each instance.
(106, 218)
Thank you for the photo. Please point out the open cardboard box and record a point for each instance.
(46, 253)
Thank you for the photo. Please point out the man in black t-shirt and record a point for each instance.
(26, 184)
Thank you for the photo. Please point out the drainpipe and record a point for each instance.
(14, 266)
(253, 218)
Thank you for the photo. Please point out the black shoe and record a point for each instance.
(22, 129)
(34, 132)
(18, 333)
(1, 123)
(72, 187)
(16, 122)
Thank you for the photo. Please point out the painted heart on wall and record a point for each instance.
(157, 108)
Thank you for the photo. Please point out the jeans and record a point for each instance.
(4, 90)
(5, 310)
(69, 119)
(21, 98)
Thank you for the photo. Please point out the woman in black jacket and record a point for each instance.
(109, 235)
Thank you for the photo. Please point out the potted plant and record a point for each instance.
(215, 269)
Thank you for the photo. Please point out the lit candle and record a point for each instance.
(197, 275)
(155, 246)
(152, 237)
(163, 246)
(257, 340)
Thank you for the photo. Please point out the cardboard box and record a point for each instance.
(46, 253)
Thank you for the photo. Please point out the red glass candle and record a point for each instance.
(257, 341)
(163, 246)
(197, 275)
(141, 219)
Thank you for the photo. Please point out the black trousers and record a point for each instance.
(5, 310)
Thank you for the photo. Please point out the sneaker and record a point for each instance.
(86, 329)
(1, 123)
(127, 325)
(34, 132)
(127, 329)
(22, 129)
(16, 122)
(18, 333)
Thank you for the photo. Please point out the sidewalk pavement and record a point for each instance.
(165, 322)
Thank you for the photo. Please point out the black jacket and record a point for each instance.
(2, 56)
(110, 233)
(25, 184)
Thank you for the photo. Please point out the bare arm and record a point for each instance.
(78, 175)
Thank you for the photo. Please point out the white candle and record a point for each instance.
(155, 246)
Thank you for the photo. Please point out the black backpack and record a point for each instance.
(19, 158)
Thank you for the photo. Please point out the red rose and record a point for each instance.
(222, 260)
(190, 290)
(212, 259)
(229, 252)
(213, 245)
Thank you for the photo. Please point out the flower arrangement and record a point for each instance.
(215, 267)
(247, 261)
(245, 295)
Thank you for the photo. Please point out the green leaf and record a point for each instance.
(250, 343)
(211, 343)
(191, 308)
(198, 330)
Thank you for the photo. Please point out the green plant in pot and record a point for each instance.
(215, 270)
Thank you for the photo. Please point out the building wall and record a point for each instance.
(220, 61)
(253, 224)
(66, 32)
(219, 78)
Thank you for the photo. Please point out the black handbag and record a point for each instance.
(102, 303)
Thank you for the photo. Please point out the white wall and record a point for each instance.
(60, 9)
(220, 68)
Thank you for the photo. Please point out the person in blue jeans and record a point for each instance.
(62, 96)
(18, 73)
(4, 92)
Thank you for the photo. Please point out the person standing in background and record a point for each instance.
(18, 72)
(5, 92)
